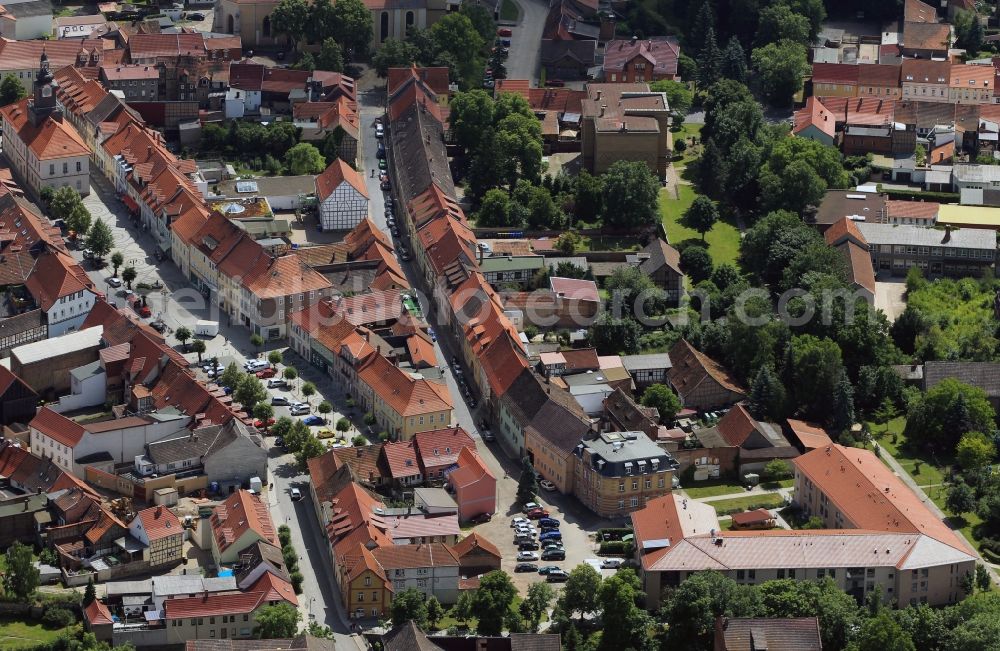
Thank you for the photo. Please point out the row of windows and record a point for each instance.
(65, 168)
(635, 484)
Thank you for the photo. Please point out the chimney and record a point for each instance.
(159, 510)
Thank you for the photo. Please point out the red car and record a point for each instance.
(535, 514)
(143, 310)
(505, 32)
(266, 373)
(259, 423)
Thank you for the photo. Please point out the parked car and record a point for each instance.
(379, 130)
(525, 567)
(517, 521)
(255, 365)
(488, 436)
(528, 546)
(385, 185)
(548, 522)
(277, 383)
(554, 555)
(527, 556)
(298, 409)
(551, 544)
(114, 282)
(279, 401)
(555, 83)
(611, 563)
(557, 577)
(312, 420)
(382, 164)
(525, 531)
(296, 494)
(550, 535)
(195, 15)
(481, 518)
(226, 390)
(505, 31)
(266, 373)
(280, 441)
(545, 569)
(258, 423)
(530, 506)
(547, 485)
(404, 253)
(523, 538)
(535, 514)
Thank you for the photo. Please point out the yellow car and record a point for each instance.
(323, 433)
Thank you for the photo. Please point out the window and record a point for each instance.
(374, 596)
(621, 487)
(79, 166)
(635, 502)
(649, 484)
(361, 596)
(635, 485)
(368, 580)
(621, 504)
(65, 168)
(52, 169)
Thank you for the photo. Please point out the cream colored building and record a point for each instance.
(250, 20)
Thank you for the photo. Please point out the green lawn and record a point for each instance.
(509, 10)
(930, 476)
(20, 634)
(737, 504)
(713, 487)
(692, 152)
(723, 240)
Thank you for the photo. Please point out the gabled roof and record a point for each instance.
(399, 557)
(471, 468)
(159, 522)
(333, 176)
(97, 614)
(401, 457)
(473, 542)
(55, 276)
(241, 512)
(691, 368)
(57, 427)
(661, 52)
(144, 46)
(844, 230)
(440, 447)
(815, 114)
(51, 139)
(436, 78)
(925, 36)
(405, 394)
(877, 74)
(770, 633)
(870, 495)
(835, 73)
(811, 436)
(661, 254)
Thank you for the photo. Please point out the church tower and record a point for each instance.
(43, 104)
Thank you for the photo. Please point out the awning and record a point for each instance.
(130, 203)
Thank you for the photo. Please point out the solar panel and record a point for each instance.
(246, 186)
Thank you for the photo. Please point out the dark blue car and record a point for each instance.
(312, 420)
(550, 535)
(549, 523)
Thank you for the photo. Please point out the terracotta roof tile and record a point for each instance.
(835, 73)
(159, 522)
(843, 230)
(870, 495)
(471, 468)
(811, 436)
(815, 114)
(414, 556)
(441, 447)
(662, 54)
(691, 368)
(57, 427)
(97, 614)
(401, 457)
(54, 276)
(406, 395)
(339, 172)
(474, 541)
(49, 140)
(918, 210)
(242, 512)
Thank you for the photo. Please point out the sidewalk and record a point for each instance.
(929, 503)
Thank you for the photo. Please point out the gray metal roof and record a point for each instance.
(622, 453)
(87, 370)
(977, 173)
(646, 362)
(129, 587)
(67, 343)
(962, 238)
(170, 584)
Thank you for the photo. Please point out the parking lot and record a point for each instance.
(575, 525)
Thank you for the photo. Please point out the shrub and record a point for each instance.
(297, 580)
(383, 436)
(56, 617)
(285, 537)
(615, 548)
(358, 441)
(369, 418)
(290, 557)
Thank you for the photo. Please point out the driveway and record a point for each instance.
(890, 297)
(526, 41)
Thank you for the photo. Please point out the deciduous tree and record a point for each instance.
(304, 158)
(393, 53)
(249, 391)
(11, 90)
(664, 400)
(100, 239)
(781, 67)
(527, 484)
(278, 621)
(696, 263)
(409, 606)
(290, 17)
(21, 577)
(701, 216)
(491, 602)
(580, 592)
(352, 27)
(631, 194)
(331, 56)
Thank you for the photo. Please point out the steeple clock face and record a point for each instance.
(46, 91)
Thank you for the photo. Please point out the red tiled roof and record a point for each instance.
(283, 276)
(97, 613)
(414, 556)
(436, 78)
(756, 516)
(241, 512)
(471, 468)
(421, 350)
(337, 173)
(691, 367)
(917, 210)
(406, 395)
(160, 522)
(737, 425)
(130, 72)
(401, 456)
(870, 495)
(49, 140)
(815, 114)
(859, 263)
(25, 55)
(835, 73)
(810, 435)
(575, 288)
(846, 228)
(662, 54)
(925, 71)
(440, 447)
(658, 520)
(54, 276)
(146, 46)
(57, 427)
(878, 75)
(474, 541)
